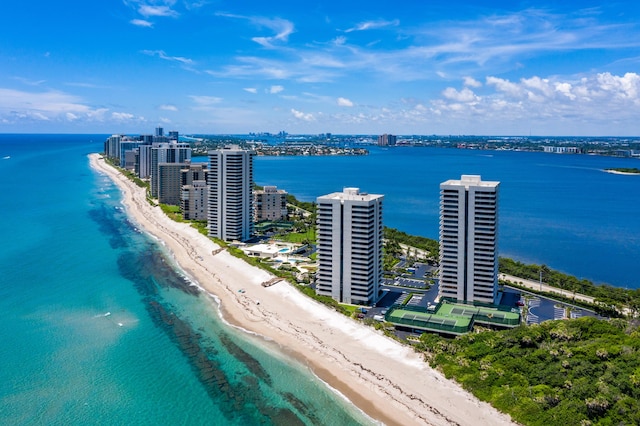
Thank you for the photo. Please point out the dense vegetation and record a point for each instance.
(174, 212)
(304, 205)
(128, 173)
(396, 237)
(574, 372)
(605, 294)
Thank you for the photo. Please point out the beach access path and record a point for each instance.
(387, 380)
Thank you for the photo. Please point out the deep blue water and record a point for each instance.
(100, 327)
(558, 210)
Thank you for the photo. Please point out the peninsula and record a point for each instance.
(387, 380)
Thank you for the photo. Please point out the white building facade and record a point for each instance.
(349, 242)
(469, 239)
(230, 180)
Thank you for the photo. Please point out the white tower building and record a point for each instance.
(230, 181)
(350, 246)
(468, 239)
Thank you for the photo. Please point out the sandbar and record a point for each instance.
(387, 380)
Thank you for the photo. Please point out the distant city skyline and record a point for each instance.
(496, 68)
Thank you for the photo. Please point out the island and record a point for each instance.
(624, 171)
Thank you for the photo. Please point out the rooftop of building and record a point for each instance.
(351, 194)
(471, 181)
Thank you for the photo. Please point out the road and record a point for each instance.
(536, 285)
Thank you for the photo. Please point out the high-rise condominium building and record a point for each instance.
(349, 246)
(468, 239)
(270, 203)
(166, 153)
(195, 192)
(126, 146)
(112, 146)
(170, 183)
(386, 140)
(144, 161)
(230, 182)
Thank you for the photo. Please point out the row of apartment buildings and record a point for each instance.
(176, 180)
(350, 243)
(349, 223)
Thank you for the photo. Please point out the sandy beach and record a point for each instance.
(385, 379)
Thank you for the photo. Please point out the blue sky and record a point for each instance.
(405, 67)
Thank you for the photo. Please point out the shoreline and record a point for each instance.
(383, 378)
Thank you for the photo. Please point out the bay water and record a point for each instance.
(555, 209)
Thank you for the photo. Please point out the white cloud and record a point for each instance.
(552, 104)
(339, 41)
(147, 10)
(251, 90)
(302, 116)
(29, 82)
(465, 95)
(49, 103)
(565, 88)
(86, 85)
(624, 87)
(50, 106)
(141, 23)
(275, 89)
(344, 102)
(298, 69)
(206, 100)
(168, 107)
(472, 82)
(122, 116)
(281, 27)
(162, 55)
(505, 86)
(372, 25)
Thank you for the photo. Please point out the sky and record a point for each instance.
(426, 67)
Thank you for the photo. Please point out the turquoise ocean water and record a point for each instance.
(100, 327)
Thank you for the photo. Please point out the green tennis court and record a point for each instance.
(452, 318)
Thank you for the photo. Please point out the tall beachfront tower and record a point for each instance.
(230, 181)
(166, 153)
(468, 239)
(349, 240)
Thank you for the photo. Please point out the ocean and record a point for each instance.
(100, 326)
(560, 210)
